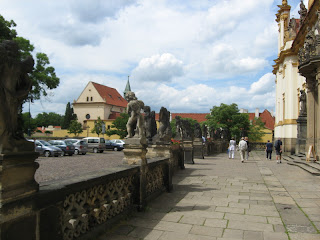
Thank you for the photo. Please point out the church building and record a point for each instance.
(297, 72)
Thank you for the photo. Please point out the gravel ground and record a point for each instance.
(56, 168)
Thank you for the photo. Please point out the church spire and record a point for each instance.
(128, 88)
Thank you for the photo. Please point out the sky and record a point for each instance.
(185, 55)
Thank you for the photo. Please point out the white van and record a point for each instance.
(95, 144)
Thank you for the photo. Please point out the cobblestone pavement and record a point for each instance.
(223, 199)
(57, 168)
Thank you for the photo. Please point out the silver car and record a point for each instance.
(46, 149)
(81, 147)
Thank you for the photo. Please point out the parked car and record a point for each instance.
(66, 146)
(95, 144)
(46, 149)
(116, 145)
(81, 146)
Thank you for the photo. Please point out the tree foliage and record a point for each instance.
(229, 118)
(46, 119)
(43, 76)
(98, 126)
(68, 116)
(28, 123)
(75, 128)
(256, 130)
(119, 126)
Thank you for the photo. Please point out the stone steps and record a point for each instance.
(313, 167)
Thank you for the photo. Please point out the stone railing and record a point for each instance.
(89, 203)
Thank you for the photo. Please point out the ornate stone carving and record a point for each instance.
(284, 2)
(303, 103)
(83, 210)
(187, 132)
(164, 131)
(178, 128)
(135, 124)
(205, 131)
(15, 86)
(150, 123)
(197, 131)
(303, 12)
(155, 180)
(311, 47)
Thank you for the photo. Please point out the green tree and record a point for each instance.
(119, 126)
(28, 123)
(230, 119)
(75, 128)
(68, 116)
(46, 119)
(43, 76)
(98, 126)
(256, 130)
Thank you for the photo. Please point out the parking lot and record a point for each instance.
(55, 168)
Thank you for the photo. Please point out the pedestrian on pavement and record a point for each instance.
(278, 148)
(243, 148)
(269, 147)
(232, 148)
(248, 148)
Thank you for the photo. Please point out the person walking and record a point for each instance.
(269, 147)
(232, 148)
(278, 148)
(248, 148)
(243, 148)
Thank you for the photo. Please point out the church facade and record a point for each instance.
(296, 76)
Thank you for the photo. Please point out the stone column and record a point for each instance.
(187, 147)
(317, 117)
(310, 112)
(198, 148)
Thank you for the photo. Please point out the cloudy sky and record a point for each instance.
(186, 55)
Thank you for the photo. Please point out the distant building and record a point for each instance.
(268, 120)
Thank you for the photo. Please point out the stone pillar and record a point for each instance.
(310, 113)
(187, 147)
(301, 134)
(135, 151)
(198, 148)
(317, 117)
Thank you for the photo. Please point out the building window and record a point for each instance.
(87, 99)
(91, 99)
(108, 127)
(284, 106)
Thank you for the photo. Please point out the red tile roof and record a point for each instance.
(200, 117)
(266, 117)
(111, 95)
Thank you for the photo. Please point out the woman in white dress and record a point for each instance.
(232, 148)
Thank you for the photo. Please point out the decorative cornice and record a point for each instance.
(280, 59)
(286, 122)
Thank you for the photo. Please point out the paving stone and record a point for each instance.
(248, 201)
(275, 236)
(116, 237)
(143, 233)
(304, 236)
(283, 200)
(230, 210)
(262, 210)
(245, 218)
(233, 234)
(238, 205)
(274, 220)
(279, 228)
(219, 223)
(179, 236)
(207, 231)
(192, 220)
(252, 235)
(233, 224)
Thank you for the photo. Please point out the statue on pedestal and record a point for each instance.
(197, 131)
(135, 124)
(15, 86)
(164, 131)
(303, 103)
(150, 123)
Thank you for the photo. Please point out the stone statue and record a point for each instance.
(164, 131)
(150, 123)
(303, 103)
(135, 124)
(197, 131)
(15, 86)
(303, 12)
(205, 131)
(178, 127)
(186, 129)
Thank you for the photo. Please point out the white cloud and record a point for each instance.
(158, 68)
(264, 84)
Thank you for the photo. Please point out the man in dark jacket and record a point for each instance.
(269, 147)
(278, 148)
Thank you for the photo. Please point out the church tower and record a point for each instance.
(127, 89)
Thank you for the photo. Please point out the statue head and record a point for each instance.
(129, 96)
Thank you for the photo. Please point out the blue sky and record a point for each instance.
(185, 55)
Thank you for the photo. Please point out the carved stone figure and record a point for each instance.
(150, 123)
(135, 124)
(311, 47)
(197, 131)
(164, 131)
(284, 2)
(205, 131)
(178, 127)
(303, 103)
(186, 129)
(303, 12)
(14, 88)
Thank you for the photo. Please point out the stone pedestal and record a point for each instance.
(301, 134)
(187, 147)
(198, 148)
(135, 151)
(159, 150)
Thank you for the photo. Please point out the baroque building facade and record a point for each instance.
(296, 74)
